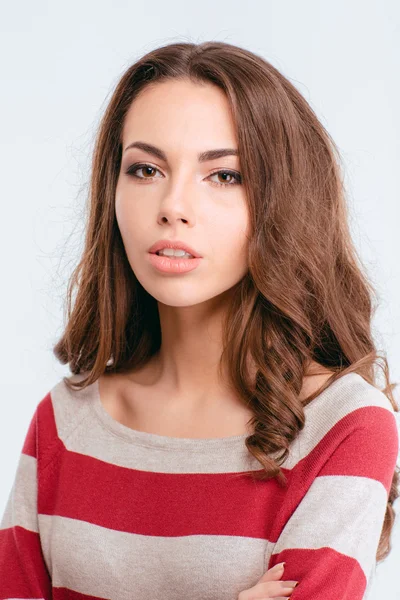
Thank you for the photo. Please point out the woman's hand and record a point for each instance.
(269, 586)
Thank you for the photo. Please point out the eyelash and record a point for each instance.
(135, 167)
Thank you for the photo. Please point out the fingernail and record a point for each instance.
(279, 566)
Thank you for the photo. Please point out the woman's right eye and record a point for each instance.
(133, 169)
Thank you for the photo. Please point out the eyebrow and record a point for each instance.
(202, 157)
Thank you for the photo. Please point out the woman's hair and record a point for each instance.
(305, 296)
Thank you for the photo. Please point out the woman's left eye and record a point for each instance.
(234, 177)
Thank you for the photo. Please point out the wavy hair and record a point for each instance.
(305, 297)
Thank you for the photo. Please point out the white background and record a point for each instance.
(59, 65)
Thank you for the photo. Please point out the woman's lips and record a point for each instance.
(173, 265)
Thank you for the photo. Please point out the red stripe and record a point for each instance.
(323, 574)
(363, 443)
(29, 445)
(174, 504)
(372, 448)
(23, 572)
(164, 504)
(66, 594)
(42, 433)
(49, 443)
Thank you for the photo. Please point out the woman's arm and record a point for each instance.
(23, 572)
(330, 541)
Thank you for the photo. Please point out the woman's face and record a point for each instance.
(179, 197)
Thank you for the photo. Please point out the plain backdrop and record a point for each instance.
(60, 62)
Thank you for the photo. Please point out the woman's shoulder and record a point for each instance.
(349, 404)
(60, 412)
(346, 394)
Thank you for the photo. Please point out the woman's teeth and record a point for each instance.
(171, 253)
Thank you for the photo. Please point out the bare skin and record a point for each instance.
(137, 401)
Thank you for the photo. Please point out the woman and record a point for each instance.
(223, 415)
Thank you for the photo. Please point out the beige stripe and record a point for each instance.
(102, 562)
(21, 507)
(345, 513)
(90, 436)
(327, 409)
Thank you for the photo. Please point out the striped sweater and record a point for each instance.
(100, 510)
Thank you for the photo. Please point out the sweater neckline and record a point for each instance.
(155, 440)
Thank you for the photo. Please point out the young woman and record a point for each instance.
(223, 414)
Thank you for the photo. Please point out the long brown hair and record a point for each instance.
(305, 297)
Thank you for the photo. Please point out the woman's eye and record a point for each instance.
(233, 178)
(228, 177)
(145, 168)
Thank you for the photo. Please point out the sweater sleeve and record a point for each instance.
(331, 531)
(23, 572)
